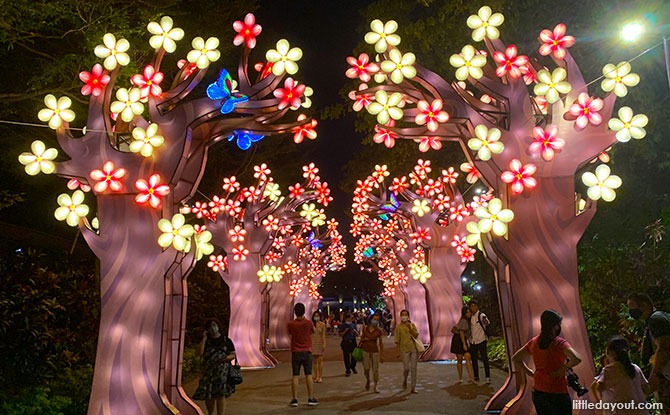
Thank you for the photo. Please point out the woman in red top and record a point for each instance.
(373, 347)
(552, 356)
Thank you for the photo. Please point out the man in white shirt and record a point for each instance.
(478, 338)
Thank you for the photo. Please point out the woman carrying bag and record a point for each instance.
(219, 378)
(407, 339)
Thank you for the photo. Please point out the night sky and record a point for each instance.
(327, 32)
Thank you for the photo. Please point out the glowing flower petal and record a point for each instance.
(56, 111)
(618, 78)
(486, 142)
(204, 52)
(40, 160)
(468, 63)
(246, 31)
(602, 183)
(113, 52)
(128, 104)
(176, 233)
(146, 141)
(485, 24)
(494, 218)
(399, 66)
(385, 107)
(164, 34)
(71, 209)
(382, 35)
(284, 58)
(628, 125)
(552, 85)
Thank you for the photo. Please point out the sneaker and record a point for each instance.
(293, 403)
(353, 369)
(312, 402)
(376, 390)
(488, 381)
(414, 391)
(347, 374)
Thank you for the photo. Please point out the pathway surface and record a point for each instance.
(268, 391)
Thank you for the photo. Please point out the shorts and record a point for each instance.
(303, 359)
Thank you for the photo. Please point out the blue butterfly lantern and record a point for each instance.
(314, 242)
(368, 252)
(222, 90)
(245, 139)
(390, 207)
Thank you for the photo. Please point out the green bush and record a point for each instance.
(192, 362)
(497, 352)
(37, 401)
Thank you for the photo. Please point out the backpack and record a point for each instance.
(487, 328)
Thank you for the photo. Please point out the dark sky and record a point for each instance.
(327, 31)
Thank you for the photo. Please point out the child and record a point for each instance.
(620, 380)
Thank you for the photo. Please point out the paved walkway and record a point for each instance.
(268, 391)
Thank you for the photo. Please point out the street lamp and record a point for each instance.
(631, 31)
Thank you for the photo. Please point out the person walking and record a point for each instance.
(348, 334)
(300, 331)
(318, 346)
(620, 380)
(406, 335)
(478, 339)
(217, 351)
(373, 347)
(552, 356)
(657, 342)
(460, 344)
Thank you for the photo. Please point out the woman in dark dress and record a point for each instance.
(217, 351)
(460, 346)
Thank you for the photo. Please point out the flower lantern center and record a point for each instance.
(552, 85)
(247, 32)
(494, 217)
(382, 35)
(95, 81)
(617, 79)
(398, 66)
(431, 114)
(519, 176)
(626, 125)
(585, 111)
(290, 95)
(39, 159)
(72, 207)
(485, 24)
(151, 191)
(555, 42)
(175, 232)
(468, 64)
(485, 143)
(108, 178)
(203, 51)
(113, 52)
(284, 58)
(361, 67)
(164, 34)
(56, 111)
(149, 82)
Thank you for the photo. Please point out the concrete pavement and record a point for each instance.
(268, 391)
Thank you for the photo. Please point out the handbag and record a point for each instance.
(419, 345)
(235, 374)
(357, 354)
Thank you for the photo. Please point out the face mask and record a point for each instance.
(404, 319)
(213, 329)
(317, 318)
(635, 313)
(375, 323)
